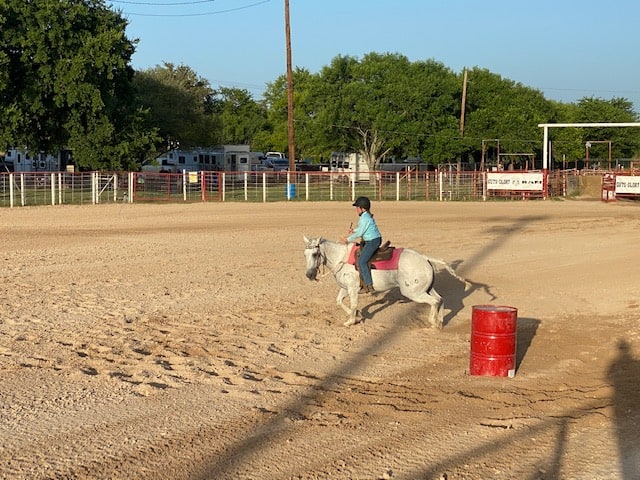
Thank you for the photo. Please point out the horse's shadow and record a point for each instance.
(453, 293)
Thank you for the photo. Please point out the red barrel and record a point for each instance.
(493, 341)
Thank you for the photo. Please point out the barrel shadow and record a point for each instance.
(526, 331)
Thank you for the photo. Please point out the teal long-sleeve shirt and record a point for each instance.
(367, 228)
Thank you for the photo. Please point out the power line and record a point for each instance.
(163, 4)
(234, 84)
(194, 14)
(589, 90)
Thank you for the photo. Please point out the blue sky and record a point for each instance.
(568, 49)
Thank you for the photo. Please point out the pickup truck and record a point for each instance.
(276, 162)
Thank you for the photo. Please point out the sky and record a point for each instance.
(568, 49)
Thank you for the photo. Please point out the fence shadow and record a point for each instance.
(624, 377)
(275, 428)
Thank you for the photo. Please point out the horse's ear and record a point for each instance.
(306, 240)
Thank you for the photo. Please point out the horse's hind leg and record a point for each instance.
(434, 300)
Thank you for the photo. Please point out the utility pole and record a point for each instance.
(464, 102)
(291, 137)
(462, 109)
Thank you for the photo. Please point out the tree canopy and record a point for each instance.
(65, 82)
(179, 105)
(385, 105)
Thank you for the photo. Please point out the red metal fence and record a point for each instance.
(28, 189)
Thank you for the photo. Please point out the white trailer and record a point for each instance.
(23, 160)
(353, 166)
(230, 158)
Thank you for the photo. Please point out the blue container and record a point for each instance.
(291, 191)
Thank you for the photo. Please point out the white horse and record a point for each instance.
(415, 276)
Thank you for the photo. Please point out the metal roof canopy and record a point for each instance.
(547, 126)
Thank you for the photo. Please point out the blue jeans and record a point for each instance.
(370, 247)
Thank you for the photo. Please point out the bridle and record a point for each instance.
(318, 255)
(321, 257)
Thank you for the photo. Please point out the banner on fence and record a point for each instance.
(514, 181)
(628, 184)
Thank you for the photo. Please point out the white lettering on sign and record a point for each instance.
(514, 181)
(628, 184)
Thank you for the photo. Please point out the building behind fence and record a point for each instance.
(66, 188)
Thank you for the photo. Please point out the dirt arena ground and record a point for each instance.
(184, 342)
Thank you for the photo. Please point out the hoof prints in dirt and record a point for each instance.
(152, 353)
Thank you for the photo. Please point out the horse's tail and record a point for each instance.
(438, 262)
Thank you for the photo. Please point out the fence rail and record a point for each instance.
(59, 188)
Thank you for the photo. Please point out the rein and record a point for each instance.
(322, 262)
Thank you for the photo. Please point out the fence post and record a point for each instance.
(52, 179)
(131, 184)
(94, 188)
(60, 188)
(11, 192)
(184, 185)
(222, 185)
(22, 197)
(484, 186)
(264, 186)
(331, 177)
(352, 179)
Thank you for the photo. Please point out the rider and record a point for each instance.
(368, 231)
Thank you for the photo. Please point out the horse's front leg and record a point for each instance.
(353, 311)
(349, 284)
(340, 300)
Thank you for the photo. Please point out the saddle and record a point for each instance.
(384, 252)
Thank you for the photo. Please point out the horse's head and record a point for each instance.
(314, 255)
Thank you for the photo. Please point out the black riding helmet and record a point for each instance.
(362, 202)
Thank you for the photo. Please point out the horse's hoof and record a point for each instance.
(437, 325)
(350, 322)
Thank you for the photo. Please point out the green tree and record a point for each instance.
(380, 105)
(363, 108)
(274, 135)
(432, 95)
(180, 105)
(504, 111)
(567, 144)
(309, 141)
(625, 142)
(239, 116)
(66, 82)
